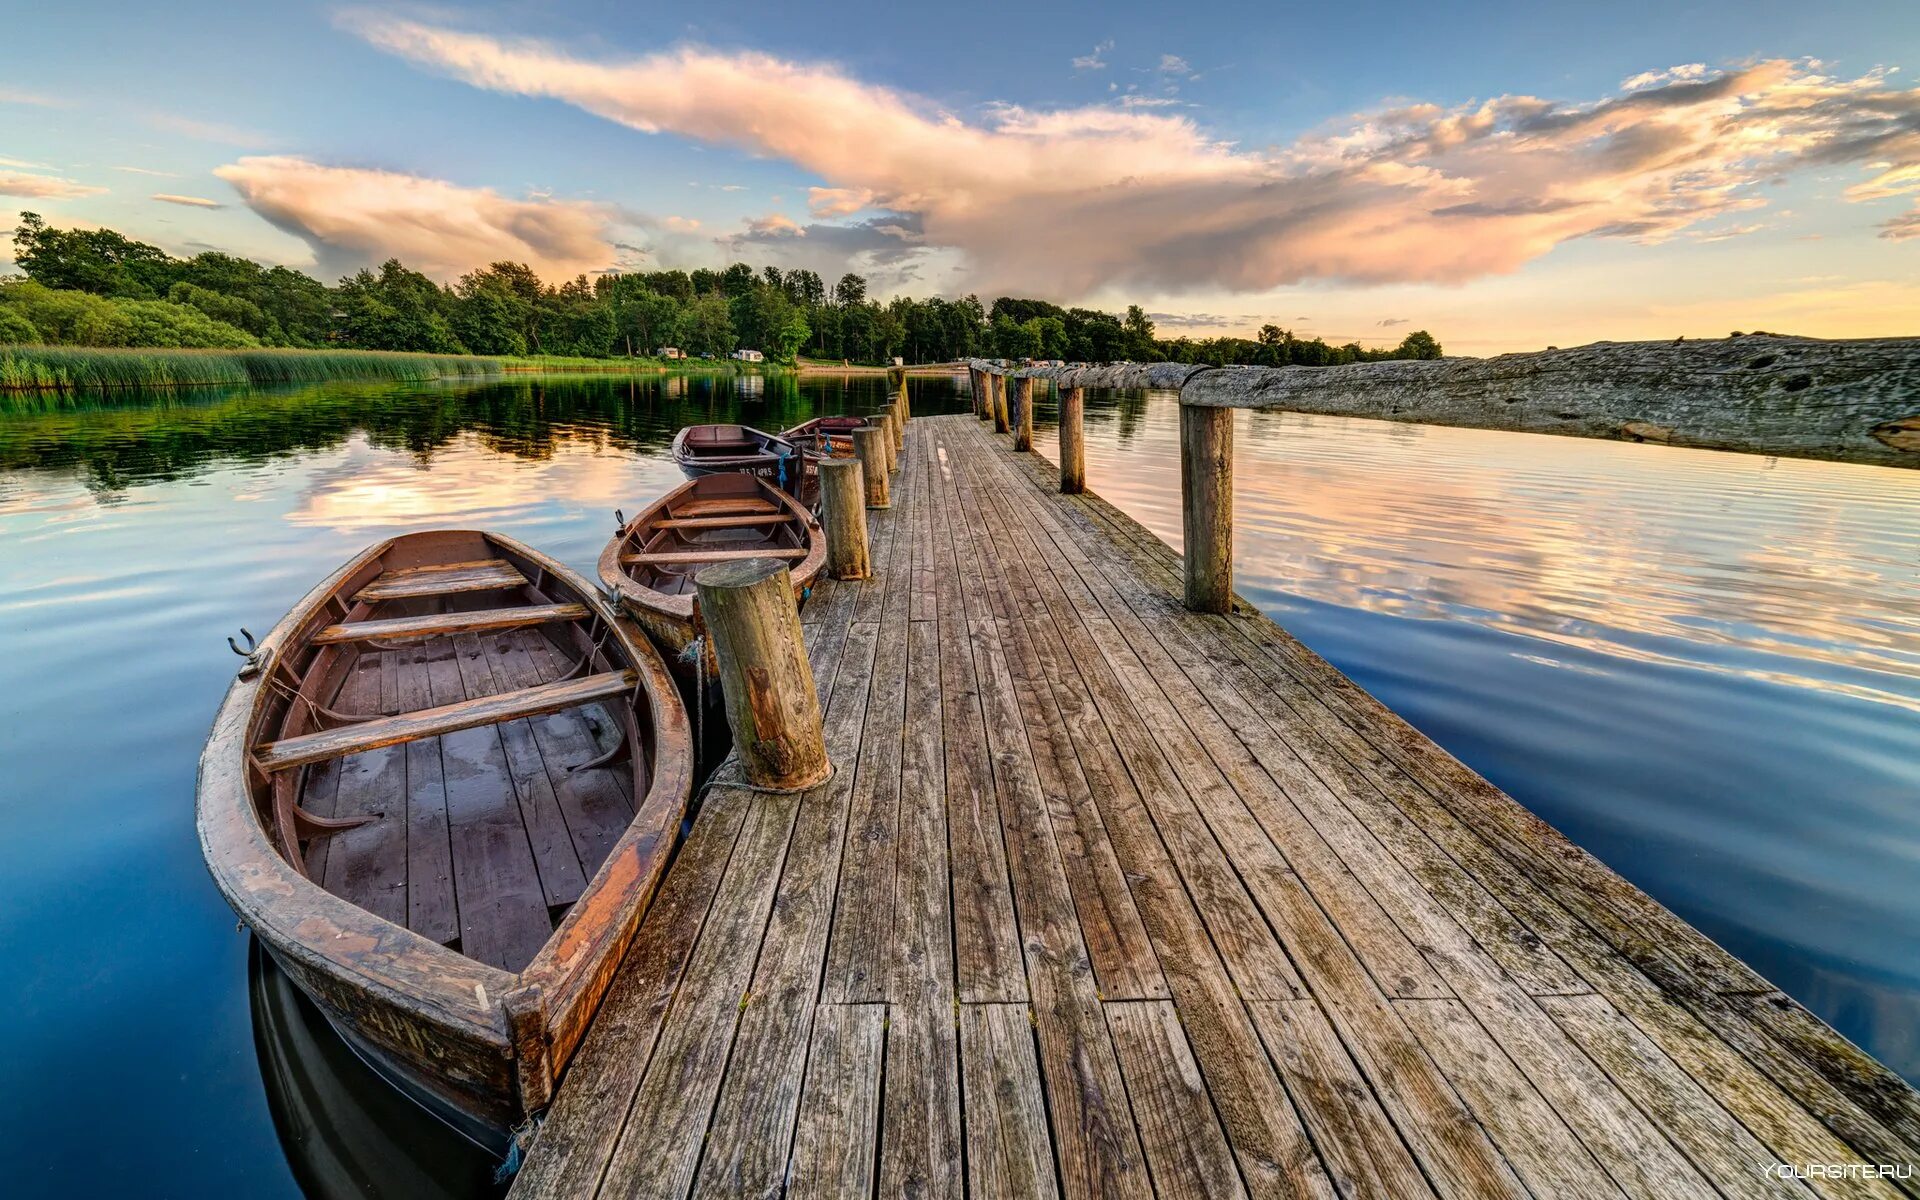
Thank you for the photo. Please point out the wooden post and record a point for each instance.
(843, 514)
(1073, 440)
(897, 380)
(999, 403)
(764, 677)
(1022, 414)
(1206, 506)
(896, 431)
(870, 446)
(982, 395)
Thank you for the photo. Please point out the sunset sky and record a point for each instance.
(1508, 176)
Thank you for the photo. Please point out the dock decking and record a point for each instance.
(1109, 898)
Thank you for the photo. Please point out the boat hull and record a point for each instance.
(477, 1044)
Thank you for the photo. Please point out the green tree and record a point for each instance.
(709, 326)
(1418, 344)
(851, 290)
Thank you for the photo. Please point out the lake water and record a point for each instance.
(1704, 668)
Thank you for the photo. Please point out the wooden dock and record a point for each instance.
(1111, 898)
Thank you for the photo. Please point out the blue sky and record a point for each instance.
(1224, 165)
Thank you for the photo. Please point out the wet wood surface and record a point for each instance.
(1110, 898)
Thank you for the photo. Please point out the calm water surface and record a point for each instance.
(1704, 668)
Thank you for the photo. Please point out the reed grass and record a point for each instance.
(83, 368)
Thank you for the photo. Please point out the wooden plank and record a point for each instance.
(1538, 1144)
(671, 557)
(367, 865)
(596, 801)
(455, 579)
(1186, 1150)
(564, 871)
(445, 624)
(443, 719)
(752, 1129)
(1364, 1154)
(432, 911)
(1007, 1150)
(1122, 956)
(1723, 1149)
(987, 960)
(503, 912)
(661, 1144)
(718, 508)
(595, 1100)
(738, 521)
(839, 1123)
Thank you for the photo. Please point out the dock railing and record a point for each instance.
(1839, 401)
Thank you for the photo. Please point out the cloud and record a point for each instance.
(1070, 201)
(354, 216)
(1173, 64)
(1390, 322)
(1093, 61)
(837, 202)
(775, 225)
(145, 171)
(679, 224)
(11, 95)
(44, 187)
(24, 165)
(188, 201)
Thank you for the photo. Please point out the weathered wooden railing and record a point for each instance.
(1844, 401)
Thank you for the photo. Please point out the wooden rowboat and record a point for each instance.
(653, 558)
(441, 794)
(736, 449)
(824, 437)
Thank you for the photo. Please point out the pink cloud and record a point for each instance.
(44, 187)
(354, 216)
(1071, 200)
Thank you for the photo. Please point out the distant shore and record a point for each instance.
(814, 366)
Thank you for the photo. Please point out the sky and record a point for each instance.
(1507, 176)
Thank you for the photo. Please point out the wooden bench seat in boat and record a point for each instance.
(446, 718)
(735, 521)
(674, 557)
(451, 579)
(396, 629)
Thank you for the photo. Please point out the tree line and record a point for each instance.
(99, 287)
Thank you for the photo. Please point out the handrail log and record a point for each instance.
(1842, 401)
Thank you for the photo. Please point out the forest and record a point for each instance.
(96, 287)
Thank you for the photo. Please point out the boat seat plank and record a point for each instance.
(670, 557)
(445, 718)
(740, 521)
(447, 624)
(730, 506)
(419, 582)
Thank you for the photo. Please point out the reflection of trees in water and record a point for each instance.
(1122, 409)
(120, 443)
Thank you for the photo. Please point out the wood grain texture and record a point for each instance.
(1156, 903)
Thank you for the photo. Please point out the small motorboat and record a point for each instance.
(737, 449)
(441, 794)
(653, 558)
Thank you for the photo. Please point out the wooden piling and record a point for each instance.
(982, 395)
(765, 680)
(1206, 506)
(896, 429)
(843, 515)
(999, 402)
(897, 383)
(871, 446)
(1021, 415)
(1073, 440)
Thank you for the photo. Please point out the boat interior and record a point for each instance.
(453, 744)
(707, 520)
(724, 441)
